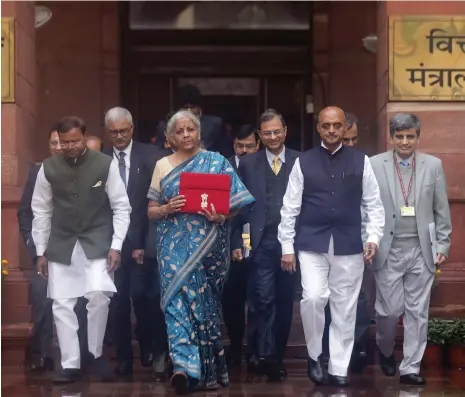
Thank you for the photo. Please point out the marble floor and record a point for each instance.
(371, 384)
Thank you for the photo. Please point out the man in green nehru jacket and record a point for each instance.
(81, 217)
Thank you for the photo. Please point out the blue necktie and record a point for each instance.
(122, 167)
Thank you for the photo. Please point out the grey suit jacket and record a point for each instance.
(431, 204)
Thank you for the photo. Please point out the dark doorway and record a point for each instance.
(160, 54)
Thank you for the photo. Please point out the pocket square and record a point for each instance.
(99, 183)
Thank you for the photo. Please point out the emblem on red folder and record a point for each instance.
(204, 203)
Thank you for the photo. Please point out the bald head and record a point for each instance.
(331, 110)
(94, 143)
(332, 127)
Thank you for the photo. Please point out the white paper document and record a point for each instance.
(246, 239)
(432, 237)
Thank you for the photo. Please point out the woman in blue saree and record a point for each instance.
(193, 257)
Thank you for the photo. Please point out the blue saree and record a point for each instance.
(193, 257)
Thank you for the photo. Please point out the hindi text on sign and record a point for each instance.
(427, 58)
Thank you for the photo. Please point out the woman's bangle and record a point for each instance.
(163, 213)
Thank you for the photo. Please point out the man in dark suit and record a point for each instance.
(134, 278)
(270, 291)
(211, 127)
(246, 141)
(38, 351)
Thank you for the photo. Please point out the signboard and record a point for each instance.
(8, 60)
(427, 58)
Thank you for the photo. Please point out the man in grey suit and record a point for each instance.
(416, 240)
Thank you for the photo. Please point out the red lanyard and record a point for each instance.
(401, 181)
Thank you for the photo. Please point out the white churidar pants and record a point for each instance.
(403, 286)
(339, 279)
(84, 277)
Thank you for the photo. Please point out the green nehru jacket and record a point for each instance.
(81, 207)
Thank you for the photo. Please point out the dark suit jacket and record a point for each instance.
(211, 129)
(151, 236)
(235, 227)
(252, 170)
(143, 158)
(25, 215)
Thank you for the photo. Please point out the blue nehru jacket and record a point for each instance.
(331, 200)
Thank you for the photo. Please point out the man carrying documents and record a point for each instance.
(416, 240)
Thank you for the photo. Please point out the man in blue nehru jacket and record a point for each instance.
(329, 189)
(362, 322)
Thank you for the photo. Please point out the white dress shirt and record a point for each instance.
(270, 157)
(237, 159)
(127, 158)
(42, 208)
(371, 206)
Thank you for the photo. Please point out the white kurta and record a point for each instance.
(327, 276)
(83, 275)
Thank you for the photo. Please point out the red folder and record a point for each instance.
(202, 190)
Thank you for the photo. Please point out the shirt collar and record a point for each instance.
(334, 152)
(407, 162)
(282, 156)
(127, 151)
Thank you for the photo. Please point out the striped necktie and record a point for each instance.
(122, 167)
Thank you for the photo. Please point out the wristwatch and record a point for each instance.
(117, 251)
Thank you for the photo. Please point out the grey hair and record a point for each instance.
(403, 122)
(181, 114)
(116, 114)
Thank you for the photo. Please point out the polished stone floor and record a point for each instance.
(371, 384)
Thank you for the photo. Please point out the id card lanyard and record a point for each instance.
(407, 210)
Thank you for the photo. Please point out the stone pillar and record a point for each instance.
(441, 135)
(18, 122)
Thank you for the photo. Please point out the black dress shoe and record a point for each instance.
(253, 365)
(388, 364)
(358, 361)
(159, 367)
(339, 381)
(412, 379)
(101, 369)
(146, 358)
(42, 364)
(271, 369)
(282, 369)
(123, 368)
(180, 383)
(67, 375)
(315, 371)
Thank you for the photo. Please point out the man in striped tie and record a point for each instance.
(135, 280)
(270, 290)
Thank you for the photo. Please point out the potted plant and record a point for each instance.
(4, 268)
(456, 344)
(434, 352)
(4, 274)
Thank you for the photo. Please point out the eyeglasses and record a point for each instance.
(70, 143)
(123, 132)
(269, 134)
